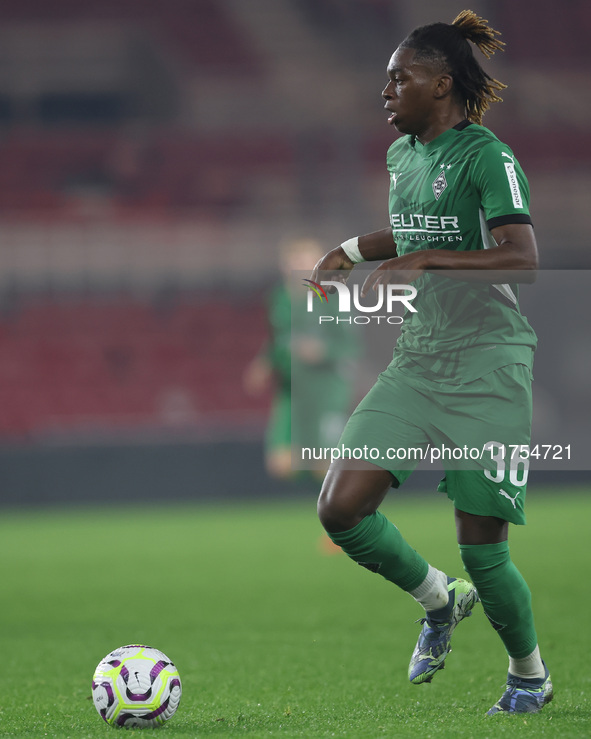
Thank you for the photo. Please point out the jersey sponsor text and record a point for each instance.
(514, 185)
(427, 224)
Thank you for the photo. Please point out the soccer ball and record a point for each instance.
(136, 686)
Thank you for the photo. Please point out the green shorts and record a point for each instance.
(478, 432)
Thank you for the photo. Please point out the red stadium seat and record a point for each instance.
(112, 362)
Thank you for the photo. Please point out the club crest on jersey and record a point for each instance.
(439, 184)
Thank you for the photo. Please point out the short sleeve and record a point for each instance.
(502, 185)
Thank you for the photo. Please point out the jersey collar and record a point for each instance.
(427, 149)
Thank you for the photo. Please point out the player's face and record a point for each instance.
(409, 94)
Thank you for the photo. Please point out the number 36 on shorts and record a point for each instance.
(515, 457)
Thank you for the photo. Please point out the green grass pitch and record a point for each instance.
(271, 636)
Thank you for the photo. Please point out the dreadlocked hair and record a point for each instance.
(446, 45)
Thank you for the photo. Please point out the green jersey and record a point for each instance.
(449, 194)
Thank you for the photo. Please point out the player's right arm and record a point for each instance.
(371, 247)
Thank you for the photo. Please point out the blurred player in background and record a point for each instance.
(462, 367)
(297, 354)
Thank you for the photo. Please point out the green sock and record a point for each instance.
(376, 544)
(504, 594)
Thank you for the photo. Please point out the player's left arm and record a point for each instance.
(516, 250)
(513, 259)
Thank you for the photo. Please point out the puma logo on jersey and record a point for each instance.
(506, 495)
(439, 184)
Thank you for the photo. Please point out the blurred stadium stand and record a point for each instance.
(154, 153)
(112, 362)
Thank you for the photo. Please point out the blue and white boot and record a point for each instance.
(524, 695)
(434, 643)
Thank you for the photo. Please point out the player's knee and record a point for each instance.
(338, 510)
(350, 494)
(482, 562)
(334, 512)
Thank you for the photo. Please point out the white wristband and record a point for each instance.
(351, 249)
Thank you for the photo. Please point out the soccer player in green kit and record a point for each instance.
(462, 366)
(295, 353)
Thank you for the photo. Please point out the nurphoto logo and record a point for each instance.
(386, 298)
